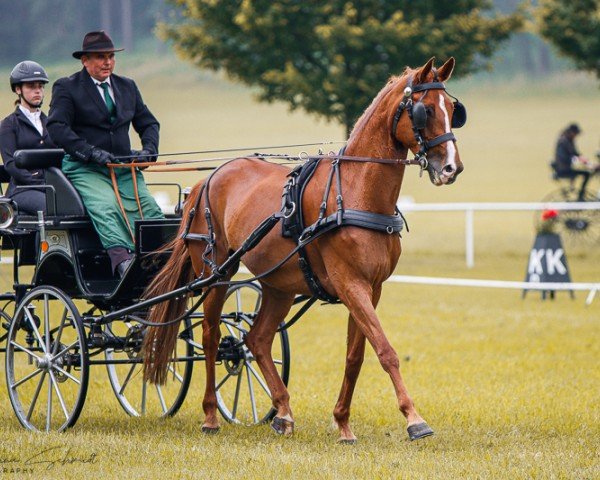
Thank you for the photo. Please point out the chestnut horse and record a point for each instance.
(350, 262)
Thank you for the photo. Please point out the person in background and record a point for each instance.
(567, 156)
(90, 115)
(25, 128)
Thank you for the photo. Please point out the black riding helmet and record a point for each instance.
(27, 71)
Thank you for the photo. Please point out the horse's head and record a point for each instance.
(424, 120)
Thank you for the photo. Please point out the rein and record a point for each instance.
(422, 161)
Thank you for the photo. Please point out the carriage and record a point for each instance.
(55, 325)
(149, 316)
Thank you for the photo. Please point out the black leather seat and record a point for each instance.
(61, 198)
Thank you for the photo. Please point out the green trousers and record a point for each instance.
(96, 189)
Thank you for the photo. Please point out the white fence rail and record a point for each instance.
(468, 282)
(471, 208)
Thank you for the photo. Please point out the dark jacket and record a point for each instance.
(79, 119)
(565, 151)
(17, 133)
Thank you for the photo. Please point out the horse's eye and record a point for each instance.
(430, 111)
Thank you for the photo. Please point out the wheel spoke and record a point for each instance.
(175, 373)
(36, 395)
(237, 396)
(65, 350)
(222, 381)
(252, 400)
(64, 372)
(21, 347)
(49, 409)
(47, 322)
(234, 333)
(238, 300)
(35, 330)
(127, 378)
(144, 391)
(27, 378)
(278, 362)
(60, 330)
(260, 380)
(161, 399)
(58, 394)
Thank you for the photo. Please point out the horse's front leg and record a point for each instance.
(358, 298)
(354, 358)
(274, 307)
(355, 354)
(211, 334)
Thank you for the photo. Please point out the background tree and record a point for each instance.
(574, 28)
(331, 58)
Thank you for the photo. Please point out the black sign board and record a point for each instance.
(547, 262)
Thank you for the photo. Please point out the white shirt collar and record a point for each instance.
(29, 114)
(33, 117)
(98, 82)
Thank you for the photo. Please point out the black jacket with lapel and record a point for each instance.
(79, 119)
(18, 133)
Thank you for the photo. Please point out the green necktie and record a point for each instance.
(112, 110)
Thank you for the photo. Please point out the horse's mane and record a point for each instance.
(368, 113)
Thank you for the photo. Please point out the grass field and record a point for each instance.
(510, 385)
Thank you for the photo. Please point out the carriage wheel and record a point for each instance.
(126, 376)
(574, 226)
(47, 361)
(243, 396)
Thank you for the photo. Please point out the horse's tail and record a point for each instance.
(159, 342)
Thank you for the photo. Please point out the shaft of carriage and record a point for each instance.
(265, 227)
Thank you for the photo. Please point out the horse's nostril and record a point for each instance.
(449, 169)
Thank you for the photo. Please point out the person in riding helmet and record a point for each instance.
(25, 128)
(567, 157)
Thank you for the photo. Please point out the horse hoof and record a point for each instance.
(419, 430)
(282, 426)
(210, 430)
(347, 441)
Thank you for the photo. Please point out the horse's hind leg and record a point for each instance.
(359, 302)
(211, 334)
(274, 307)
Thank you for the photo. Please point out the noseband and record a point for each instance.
(418, 117)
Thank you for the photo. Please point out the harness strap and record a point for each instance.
(440, 139)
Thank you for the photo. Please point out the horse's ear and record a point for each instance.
(445, 71)
(421, 75)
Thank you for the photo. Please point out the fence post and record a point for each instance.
(469, 240)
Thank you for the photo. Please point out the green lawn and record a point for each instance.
(510, 385)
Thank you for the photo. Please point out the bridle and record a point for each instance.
(418, 117)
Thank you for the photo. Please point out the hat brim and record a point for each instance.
(78, 54)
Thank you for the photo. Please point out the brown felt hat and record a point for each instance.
(96, 42)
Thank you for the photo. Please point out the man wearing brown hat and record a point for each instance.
(90, 115)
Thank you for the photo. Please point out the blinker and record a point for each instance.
(419, 116)
(459, 117)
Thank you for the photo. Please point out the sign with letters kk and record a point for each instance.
(547, 262)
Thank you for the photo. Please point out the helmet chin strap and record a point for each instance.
(32, 105)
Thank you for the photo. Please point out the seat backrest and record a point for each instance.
(39, 158)
(62, 199)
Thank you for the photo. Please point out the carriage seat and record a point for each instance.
(62, 200)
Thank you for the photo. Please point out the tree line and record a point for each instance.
(328, 58)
